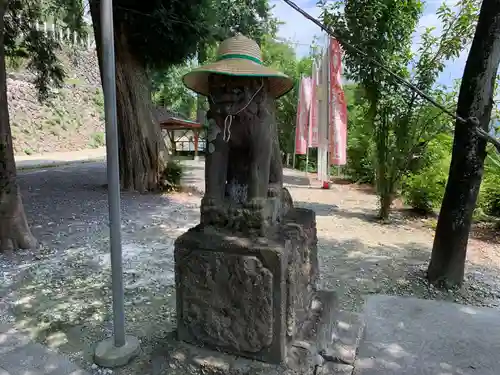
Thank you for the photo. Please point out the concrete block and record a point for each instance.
(410, 336)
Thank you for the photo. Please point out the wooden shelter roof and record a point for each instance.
(170, 120)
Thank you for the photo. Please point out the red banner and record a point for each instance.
(313, 112)
(337, 134)
(302, 116)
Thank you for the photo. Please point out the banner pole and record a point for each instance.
(328, 110)
(296, 124)
(307, 161)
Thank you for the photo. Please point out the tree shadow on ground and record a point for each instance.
(73, 203)
(322, 209)
(296, 180)
(61, 294)
(486, 232)
(355, 269)
(63, 297)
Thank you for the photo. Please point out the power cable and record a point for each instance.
(470, 121)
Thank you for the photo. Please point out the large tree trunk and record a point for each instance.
(447, 263)
(141, 145)
(14, 230)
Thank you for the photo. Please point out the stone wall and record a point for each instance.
(72, 120)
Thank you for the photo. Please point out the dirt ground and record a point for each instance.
(61, 294)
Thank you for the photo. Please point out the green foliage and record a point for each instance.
(161, 33)
(423, 190)
(98, 139)
(360, 166)
(172, 175)
(281, 56)
(98, 98)
(489, 196)
(252, 18)
(401, 123)
(380, 28)
(22, 40)
(169, 91)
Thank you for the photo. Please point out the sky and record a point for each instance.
(301, 31)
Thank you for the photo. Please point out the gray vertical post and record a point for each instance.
(307, 160)
(113, 172)
(307, 142)
(120, 349)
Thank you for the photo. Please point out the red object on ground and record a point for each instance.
(326, 185)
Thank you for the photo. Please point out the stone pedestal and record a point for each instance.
(247, 295)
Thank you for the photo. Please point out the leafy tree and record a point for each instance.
(281, 56)
(382, 29)
(489, 196)
(402, 122)
(149, 35)
(423, 187)
(360, 165)
(469, 150)
(18, 37)
(169, 91)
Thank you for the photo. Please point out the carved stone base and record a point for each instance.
(248, 218)
(304, 356)
(249, 296)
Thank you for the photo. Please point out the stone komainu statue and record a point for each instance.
(244, 171)
(246, 275)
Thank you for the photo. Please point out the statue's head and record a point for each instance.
(230, 95)
(238, 73)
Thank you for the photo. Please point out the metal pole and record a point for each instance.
(109, 86)
(328, 110)
(307, 161)
(295, 132)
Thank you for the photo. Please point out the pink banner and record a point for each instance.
(313, 112)
(337, 138)
(302, 116)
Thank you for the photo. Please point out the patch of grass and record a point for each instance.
(98, 98)
(28, 151)
(431, 223)
(15, 63)
(73, 81)
(97, 139)
(172, 175)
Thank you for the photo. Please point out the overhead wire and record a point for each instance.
(471, 120)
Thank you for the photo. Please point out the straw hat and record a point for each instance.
(238, 56)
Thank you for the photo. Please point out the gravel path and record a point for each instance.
(359, 255)
(60, 294)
